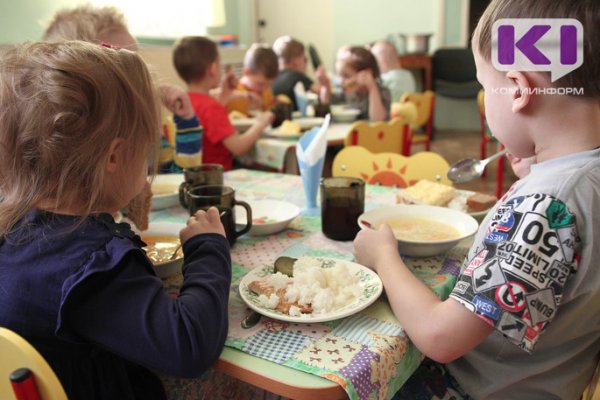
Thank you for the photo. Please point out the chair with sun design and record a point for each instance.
(390, 169)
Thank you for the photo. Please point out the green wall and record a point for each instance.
(24, 20)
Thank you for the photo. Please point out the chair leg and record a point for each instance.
(483, 148)
(499, 176)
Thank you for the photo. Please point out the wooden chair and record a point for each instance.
(421, 127)
(407, 111)
(486, 138)
(390, 169)
(16, 354)
(379, 136)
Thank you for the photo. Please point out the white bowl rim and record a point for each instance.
(420, 211)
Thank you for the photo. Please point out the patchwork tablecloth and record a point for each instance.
(367, 353)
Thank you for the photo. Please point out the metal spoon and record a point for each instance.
(282, 264)
(470, 168)
(174, 255)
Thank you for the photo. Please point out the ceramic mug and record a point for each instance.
(222, 197)
(202, 175)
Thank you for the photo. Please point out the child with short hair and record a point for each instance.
(292, 69)
(521, 322)
(79, 122)
(254, 87)
(197, 62)
(363, 90)
(397, 79)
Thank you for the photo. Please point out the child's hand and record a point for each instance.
(177, 101)
(371, 246)
(265, 119)
(229, 82)
(202, 222)
(365, 78)
(322, 78)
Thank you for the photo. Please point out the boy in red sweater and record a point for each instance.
(197, 62)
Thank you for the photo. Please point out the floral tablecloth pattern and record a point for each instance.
(368, 353)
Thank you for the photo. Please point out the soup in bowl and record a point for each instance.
(162, 240)
(422, 230)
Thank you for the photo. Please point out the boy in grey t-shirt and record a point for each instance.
(521, 321)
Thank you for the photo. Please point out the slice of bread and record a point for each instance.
(426, 192)
(480, 201)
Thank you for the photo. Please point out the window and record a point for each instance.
(172, 19)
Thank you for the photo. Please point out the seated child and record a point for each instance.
(197, 62)
(254, 87)
(359, 74)
(75, 283)
(107, 25)
(292, 69)
(393, 76)
(522, 320)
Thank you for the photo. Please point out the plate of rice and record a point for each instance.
(322, 289)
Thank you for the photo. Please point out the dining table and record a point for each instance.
(277, 152)
(360, 356)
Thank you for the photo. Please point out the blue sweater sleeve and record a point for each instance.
(127, 312)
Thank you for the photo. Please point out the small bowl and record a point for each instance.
(344, 114)
(269, 216)
(165, 189)
(465, 224)
(165, 229)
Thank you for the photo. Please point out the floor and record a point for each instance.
(456, 145)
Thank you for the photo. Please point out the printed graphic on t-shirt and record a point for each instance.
(515, 279)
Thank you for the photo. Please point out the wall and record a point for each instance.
(25, 19)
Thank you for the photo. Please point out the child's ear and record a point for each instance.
(116, 155)
(521, 86)
(214, 68)
(245, 71)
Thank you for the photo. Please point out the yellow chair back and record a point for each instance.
(390, 169)
(424, 103)
(378, 136)
(17, 353)
(480, 102)
(407, 110)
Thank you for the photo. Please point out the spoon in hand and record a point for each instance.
(470, 168)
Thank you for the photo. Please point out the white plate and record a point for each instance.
(167, 268)
(465, 224)
(461, 197)
(268, 216)
(276, 133)
(460, 204)
(165, 189)
(242, 123)
(370, 282)
(309, 122)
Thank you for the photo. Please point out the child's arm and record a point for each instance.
(323, 85)
(441, 330)
(377, 110)
(239, 144)
(177, 101)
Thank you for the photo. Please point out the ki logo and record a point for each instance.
(531, 44)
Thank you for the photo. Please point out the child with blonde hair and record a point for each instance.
(107, 25)
(361, 83)
(397, 79)
(78, 125)
(522, 320)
